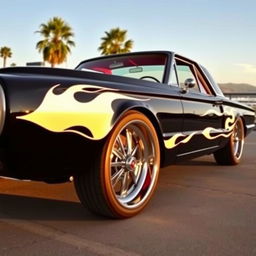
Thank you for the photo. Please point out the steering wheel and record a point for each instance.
(150, 77)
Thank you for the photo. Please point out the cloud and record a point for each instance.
(247, 68)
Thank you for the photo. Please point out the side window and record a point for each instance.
(184, 72)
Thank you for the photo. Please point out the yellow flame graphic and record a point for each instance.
(229, 125)
(58, 113)
(171, 143)
(212, 112)
(230, 121)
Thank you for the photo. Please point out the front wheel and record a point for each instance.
(124, 174)
(232, 152)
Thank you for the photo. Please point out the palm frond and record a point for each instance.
(57, 41)
(114, 42)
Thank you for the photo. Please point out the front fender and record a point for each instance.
(122, 107)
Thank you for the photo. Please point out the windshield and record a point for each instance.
(140, 66)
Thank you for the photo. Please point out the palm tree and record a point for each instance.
(114, 42)
(57, 41)
(5, 52)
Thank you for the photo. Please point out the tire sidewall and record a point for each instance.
(117, 209)
(234, 158)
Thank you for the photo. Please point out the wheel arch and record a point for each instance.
(145, 110)
(244, 124)
(240, 115)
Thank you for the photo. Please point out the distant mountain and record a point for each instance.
(237, 88)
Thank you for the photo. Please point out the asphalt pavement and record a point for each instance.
(199, 208)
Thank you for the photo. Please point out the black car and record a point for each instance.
(111, 123)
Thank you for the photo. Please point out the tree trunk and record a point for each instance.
(4, 60)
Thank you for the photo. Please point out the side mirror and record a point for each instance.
(190, 83)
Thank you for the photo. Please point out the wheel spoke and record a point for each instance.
(137, 172)
(237, 140)
(125, 184)
(129, 141)
(151, 160)
(134, 177)
(121, 145)
(139, 184)
(116, 177)
(134, 150)
(118, 164)
(118, 154)
(150, 171)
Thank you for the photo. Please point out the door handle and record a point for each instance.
(218, 102)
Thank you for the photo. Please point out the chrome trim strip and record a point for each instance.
(195, 151)
(170, 134)
(9, 178)
(250, 126)
(2, 109)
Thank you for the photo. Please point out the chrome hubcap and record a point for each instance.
(133, 164)
(130, 163)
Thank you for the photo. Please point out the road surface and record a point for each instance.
(199, 208)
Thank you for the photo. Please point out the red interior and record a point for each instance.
(106, 65)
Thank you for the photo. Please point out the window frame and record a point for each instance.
(173, 71)
(165, 54)
(202, 84)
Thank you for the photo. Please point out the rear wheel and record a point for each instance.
(124, 174)
(232, 152)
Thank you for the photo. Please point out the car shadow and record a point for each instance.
(31, 208)
(197, 162)
(36, 208)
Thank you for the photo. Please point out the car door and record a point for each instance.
(203, 118)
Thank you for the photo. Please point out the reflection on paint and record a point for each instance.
(60, 112)
(171, 143)
(182, 138)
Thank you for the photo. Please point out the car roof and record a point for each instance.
(128, 54)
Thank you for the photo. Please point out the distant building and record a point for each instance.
(35, 64)
(246, 98)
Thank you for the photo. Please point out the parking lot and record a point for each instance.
(199, 208)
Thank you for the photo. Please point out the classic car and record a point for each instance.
(111, 123)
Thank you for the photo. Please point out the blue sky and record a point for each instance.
(220, 34)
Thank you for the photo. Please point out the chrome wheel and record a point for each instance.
(232, 152)
(238, 140)
(123, 176)
(134, 164)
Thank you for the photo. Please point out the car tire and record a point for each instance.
(231, 154)
(124, 174)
